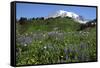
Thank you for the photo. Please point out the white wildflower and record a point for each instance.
(62, 56)
(25, 44)
(45, 47)
(44, 35)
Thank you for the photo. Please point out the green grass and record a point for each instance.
(59, 42)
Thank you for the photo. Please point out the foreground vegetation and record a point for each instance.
(58, 40)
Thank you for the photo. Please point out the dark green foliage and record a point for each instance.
(54, 40)
(88, 24)
(22, 20)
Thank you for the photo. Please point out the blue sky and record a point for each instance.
(41, 10)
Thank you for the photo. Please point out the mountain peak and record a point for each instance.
(63, 13)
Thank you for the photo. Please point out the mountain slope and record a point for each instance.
(62, 24)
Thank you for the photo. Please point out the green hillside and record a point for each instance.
(62, 24)
(54, 40)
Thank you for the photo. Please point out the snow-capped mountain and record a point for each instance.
(62, 13)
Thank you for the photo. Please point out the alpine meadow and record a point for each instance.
(60, 37)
